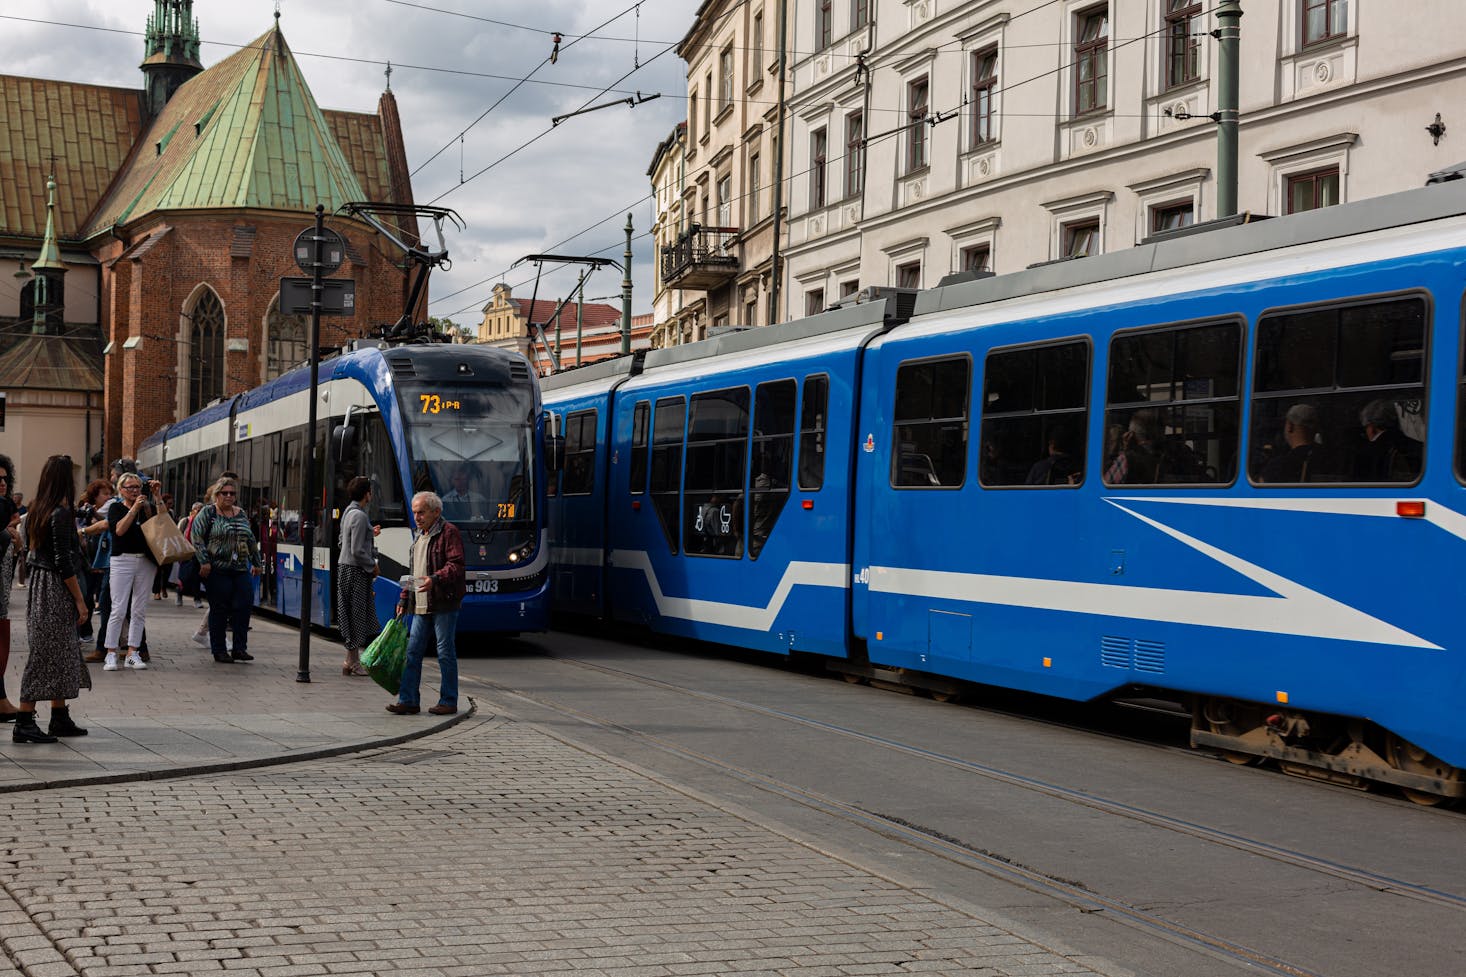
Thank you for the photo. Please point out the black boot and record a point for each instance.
(26, 730)
(61, 723)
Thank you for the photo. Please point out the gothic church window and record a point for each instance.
(206, 351)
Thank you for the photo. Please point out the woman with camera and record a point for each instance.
(131, 566)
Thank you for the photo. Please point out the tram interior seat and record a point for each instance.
(917, 469)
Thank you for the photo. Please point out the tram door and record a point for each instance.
(367, 450)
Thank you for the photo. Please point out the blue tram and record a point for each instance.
(1227, 469)
(462, 421)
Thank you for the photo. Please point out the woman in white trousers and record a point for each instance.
(132, 568)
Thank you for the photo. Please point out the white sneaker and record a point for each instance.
(228, 643)
(201, 638)
(197, 603)
(133, 661)
(110, 665)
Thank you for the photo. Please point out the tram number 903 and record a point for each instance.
(486, 585)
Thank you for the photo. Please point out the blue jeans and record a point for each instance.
(442, 625)
(231, 595)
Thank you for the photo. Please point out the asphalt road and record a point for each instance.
(1166, 861)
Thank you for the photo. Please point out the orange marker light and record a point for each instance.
(1410, 510)
(1048, 663)
(880, 635)
(807, 504)
(1283, 698)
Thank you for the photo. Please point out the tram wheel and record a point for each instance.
(1405, 755)
(1226, 718)
(854, 679)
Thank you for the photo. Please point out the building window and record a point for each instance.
(1310, 191)
(206, 352)
(1170, 217)
(984, 82)
(1091, 59)
(908, 275)
(692, 111)
(753, 189)
(976, 258)
(1182, 44)
(707, 86)
(46, 291)
(854, 154)
(1324, 20)
(849, 288)
(814, 301)
(1081, 239)
(725, 68)
(756, 48)
(285, 342)
(917, 104)
(823, 24)
(725, 201)
(750, 311)
(859, 14)
(818, 150)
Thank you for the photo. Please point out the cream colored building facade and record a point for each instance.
(929, 136)
(719, 236)
(668, 172)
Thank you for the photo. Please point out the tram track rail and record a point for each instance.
(1355, 875)
(1072, 893)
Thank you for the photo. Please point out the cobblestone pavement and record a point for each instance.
(489, 848)
(186, 713)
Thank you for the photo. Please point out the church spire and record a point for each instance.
(48, 268)
(170, 51)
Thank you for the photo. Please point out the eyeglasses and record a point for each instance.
(225, 492)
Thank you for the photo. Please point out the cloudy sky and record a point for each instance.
(448, 69)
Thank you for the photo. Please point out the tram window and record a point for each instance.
(812, 426)
(1338, 396)
(1172, 408)
(666, 469)
(929, 442)
(1034, 416)
(773, 459)
(717, 446)
(290, 495)
(639, 417)
(580, 453)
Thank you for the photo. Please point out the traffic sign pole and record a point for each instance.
(318, 252)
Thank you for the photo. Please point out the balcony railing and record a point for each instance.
(703, 257)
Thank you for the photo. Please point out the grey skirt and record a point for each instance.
(53, 669)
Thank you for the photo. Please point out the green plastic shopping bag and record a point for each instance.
(386, 655)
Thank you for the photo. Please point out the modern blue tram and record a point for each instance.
(1227, 469)
(463, 421)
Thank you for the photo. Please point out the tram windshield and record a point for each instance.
(473, 446)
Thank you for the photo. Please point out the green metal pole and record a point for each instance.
(1229, 13)
(626, 294)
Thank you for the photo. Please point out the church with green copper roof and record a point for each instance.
(144, 232)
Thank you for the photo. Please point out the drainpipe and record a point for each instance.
(779, 165)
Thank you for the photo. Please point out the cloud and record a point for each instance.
(589, 168)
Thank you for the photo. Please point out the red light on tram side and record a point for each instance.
(635, 505)
(807, 504)
(1410, 510)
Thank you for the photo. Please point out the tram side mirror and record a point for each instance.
(343, 443)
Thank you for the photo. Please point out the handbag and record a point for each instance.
(166, 541)
(386, 656)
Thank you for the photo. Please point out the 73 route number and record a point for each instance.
(485, 585)
(433, 404)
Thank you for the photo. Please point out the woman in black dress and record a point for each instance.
(8, 554)
(54, 607)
